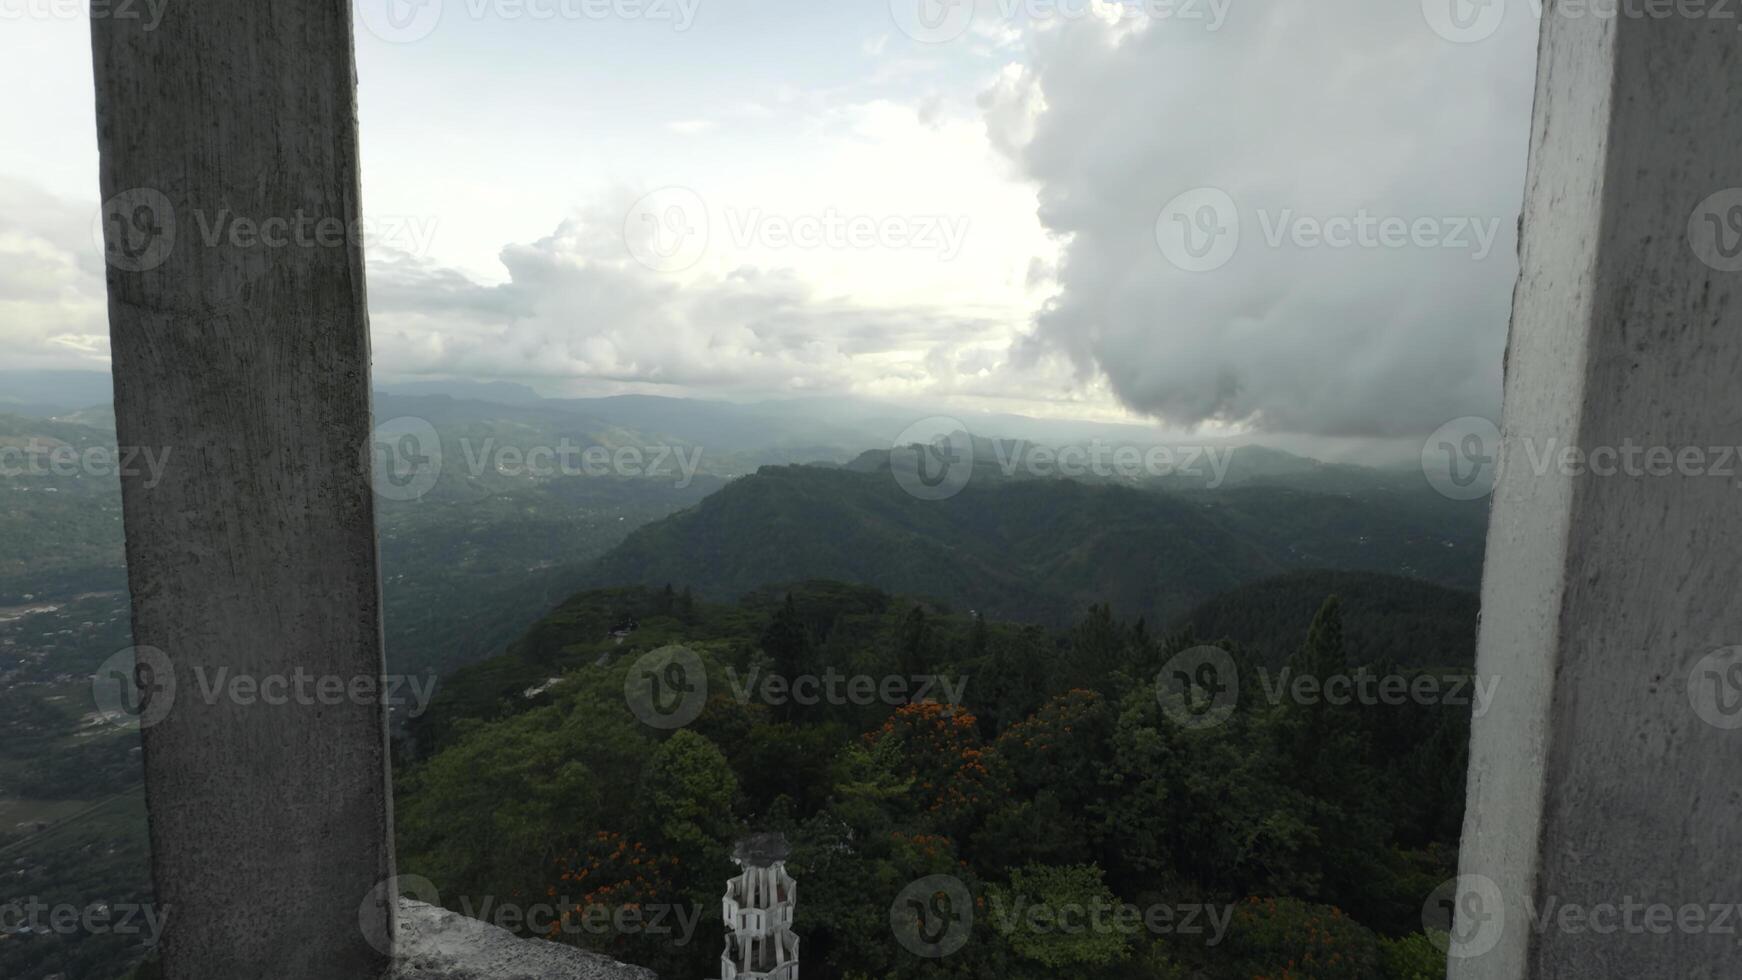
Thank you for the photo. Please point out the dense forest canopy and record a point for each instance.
(1044, 770)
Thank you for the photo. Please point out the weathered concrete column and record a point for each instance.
(1606, 778)
(240, 343)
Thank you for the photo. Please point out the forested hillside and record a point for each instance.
(1411, 622)
(1040, 767)
(1039, 550)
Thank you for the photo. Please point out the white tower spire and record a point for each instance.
(758, 908)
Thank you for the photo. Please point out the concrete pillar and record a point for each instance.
(1607, 778)
(240, 341)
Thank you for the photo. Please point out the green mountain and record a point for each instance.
(1039, 550)
(508, 770)
(1385, 618)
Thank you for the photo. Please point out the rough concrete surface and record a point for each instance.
(436, 944)
(1595, 783)
(254, 558)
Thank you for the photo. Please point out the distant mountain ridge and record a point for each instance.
(1038, 550)
(832, 427)
(46, 394)
(491, 546)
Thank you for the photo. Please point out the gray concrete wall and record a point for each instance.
(1597, 780)
(249, 362)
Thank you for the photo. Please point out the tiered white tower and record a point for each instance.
(758, 907)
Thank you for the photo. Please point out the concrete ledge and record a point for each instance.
(436, 944)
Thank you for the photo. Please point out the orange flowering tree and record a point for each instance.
(596, 883)
(939, 750)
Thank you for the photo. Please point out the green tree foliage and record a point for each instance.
(1061, 779)
(1288, 938)
(1412, 957)
(684, 809)
(1060, 917)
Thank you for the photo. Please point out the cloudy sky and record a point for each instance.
(1277, 215)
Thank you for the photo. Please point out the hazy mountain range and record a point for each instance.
(491, 545)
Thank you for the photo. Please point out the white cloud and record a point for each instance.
(53, 305)
(579, 309)
(1058, 300)
(1296, 111)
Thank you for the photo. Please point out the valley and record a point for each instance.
(512, 586)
